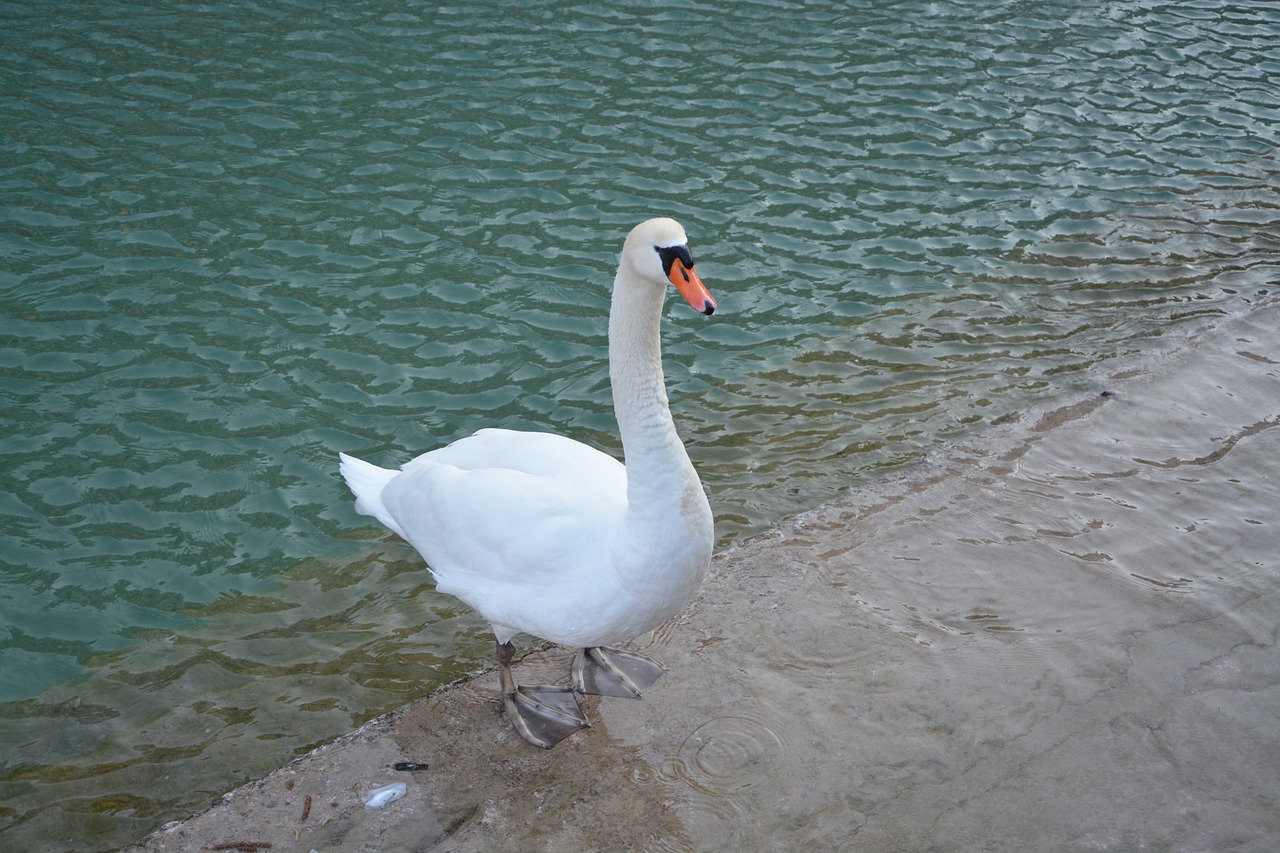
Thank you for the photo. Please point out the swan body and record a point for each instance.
(547, 536)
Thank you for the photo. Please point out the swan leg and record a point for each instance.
(542, 715)
(607, 671)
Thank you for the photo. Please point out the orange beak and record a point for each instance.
(691, 287)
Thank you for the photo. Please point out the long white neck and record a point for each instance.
(666, 504)
(656, 459)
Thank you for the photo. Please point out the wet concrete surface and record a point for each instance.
(1058, 635)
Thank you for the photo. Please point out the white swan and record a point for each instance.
(547, 536)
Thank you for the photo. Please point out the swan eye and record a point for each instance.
(669, 255)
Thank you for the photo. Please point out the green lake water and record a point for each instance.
(238, 238)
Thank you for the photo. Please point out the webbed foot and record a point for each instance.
(542, 715)
(607, 671)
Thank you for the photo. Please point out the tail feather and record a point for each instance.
(367, 482)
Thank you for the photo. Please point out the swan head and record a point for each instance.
(657, 250)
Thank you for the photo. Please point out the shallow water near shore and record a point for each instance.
(1059, 634)
(239, 240)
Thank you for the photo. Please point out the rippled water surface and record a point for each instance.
(238, 238)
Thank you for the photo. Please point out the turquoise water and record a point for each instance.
(238, 238)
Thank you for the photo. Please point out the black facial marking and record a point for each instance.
(669, 255)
